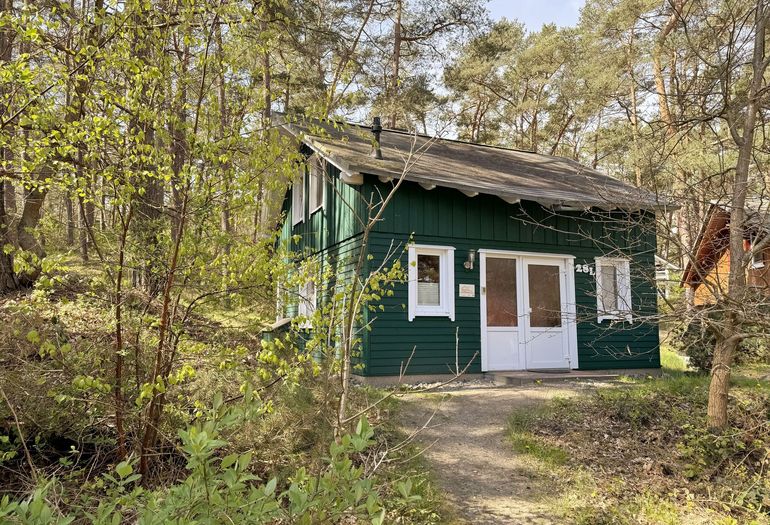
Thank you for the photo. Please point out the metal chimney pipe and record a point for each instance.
(376, 131)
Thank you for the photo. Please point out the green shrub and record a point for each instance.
(697, 341)
(222, 490)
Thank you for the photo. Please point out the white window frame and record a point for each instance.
(446, 306)
(306, 307)
(317, 176)
(298, 198)
(623, 287)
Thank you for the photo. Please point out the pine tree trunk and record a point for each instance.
(396, 72)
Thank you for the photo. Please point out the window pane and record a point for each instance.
(501, 295)
(544, 295)
(316, 186)
(608, 288)
(428, 280)
(319, 190)
(298, 199)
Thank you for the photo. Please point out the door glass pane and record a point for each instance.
(428, 280)
(609, 288)
(501, 292)
(544, 296)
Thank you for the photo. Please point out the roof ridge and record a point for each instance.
(461, 141)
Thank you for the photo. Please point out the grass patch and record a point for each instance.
(640, 452)
(671, 361)
(521, 426)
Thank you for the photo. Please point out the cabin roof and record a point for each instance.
(471, 168)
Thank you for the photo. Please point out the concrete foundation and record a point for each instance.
(513, 377)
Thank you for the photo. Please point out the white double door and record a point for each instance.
(526, 302)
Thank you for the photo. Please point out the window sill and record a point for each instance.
(616, 317)
(432, 313)
(317, 208)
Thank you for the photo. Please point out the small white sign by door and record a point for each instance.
(467, 290)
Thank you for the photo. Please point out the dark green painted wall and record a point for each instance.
(447, 217)
(337, 221)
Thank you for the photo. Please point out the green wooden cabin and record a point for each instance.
(526, 261)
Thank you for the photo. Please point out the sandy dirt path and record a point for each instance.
(472, 458)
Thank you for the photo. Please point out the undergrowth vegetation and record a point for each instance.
(640, 452)
(249, 433)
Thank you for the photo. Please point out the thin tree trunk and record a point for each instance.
(657, 68)
(119, 353)
(394, 87)
(9, 190)
(86, 208)
(8, 280)
(263, 210)
(70, 219)
(731, 335)
(155, 409)
(225, 220)
(560, 136)
(179, 144)
(634, 112)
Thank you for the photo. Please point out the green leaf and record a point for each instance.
(229, 460)
(124, 469)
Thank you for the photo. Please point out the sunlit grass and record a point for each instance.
(520, 426)
(671, 361)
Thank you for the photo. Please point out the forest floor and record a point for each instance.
(469, 451)
(632, 451)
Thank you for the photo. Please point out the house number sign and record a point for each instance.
(584, 268)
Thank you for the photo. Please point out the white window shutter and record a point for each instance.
(298, 198)
(624, 289)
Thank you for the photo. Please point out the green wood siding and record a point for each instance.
(337, 221)
(447, 217)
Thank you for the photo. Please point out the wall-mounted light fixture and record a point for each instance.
(470, 260)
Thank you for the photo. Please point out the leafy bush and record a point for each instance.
(698, 341)
(221, 489)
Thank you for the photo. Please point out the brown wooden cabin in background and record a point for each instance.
(707, 273)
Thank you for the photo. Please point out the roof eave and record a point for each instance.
(353, 174)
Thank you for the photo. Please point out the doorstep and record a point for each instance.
(526, 377)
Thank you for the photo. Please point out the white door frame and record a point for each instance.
(569, 310)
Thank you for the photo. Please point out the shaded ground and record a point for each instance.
(472, 457)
